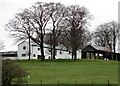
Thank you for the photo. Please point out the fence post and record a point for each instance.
(58, 82)
(40, 82)
(109, 83)
(92, 83)
(76, 82)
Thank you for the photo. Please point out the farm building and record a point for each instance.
(9, 55)
(94, 52)
(86, 52)
(61, 51)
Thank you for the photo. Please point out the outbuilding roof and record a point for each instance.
(101, 48)
(96, 48)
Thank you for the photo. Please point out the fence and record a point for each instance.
(74, 84)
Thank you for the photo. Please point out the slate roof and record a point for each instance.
(96, 48)
(101, 48)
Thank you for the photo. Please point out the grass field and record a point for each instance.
(70, 72)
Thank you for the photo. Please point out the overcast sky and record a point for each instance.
(102, 10)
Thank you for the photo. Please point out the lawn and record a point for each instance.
(71, 72)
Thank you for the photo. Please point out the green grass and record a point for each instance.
(70, 71)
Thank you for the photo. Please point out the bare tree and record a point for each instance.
(103, 37)
(75, 26)
(20, 27)
(115, 34)
(106, 35)
(31, 24)
(56, 16)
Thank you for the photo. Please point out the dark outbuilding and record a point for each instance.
(93, 52)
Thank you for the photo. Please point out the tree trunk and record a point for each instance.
(75, 55)
(29, 53)
(51, 52)
(72, 55)
(54, 51)
(54, 40)
(42, 51)
(54, 46)
(114, 42)
(51, 47)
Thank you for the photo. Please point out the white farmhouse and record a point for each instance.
(61, 52)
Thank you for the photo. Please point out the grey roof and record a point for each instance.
(101, 48)
(32, 42)
(95, 48)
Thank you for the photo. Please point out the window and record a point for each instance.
(38, 48)
(23, 55)
(34, 55)
(24, 47)
(49, 50)
(69, 52)
(60, 52)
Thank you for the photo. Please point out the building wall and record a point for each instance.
(35, 52)
(22, 51)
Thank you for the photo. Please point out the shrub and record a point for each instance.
(12, 73)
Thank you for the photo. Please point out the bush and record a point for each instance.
(12, 73)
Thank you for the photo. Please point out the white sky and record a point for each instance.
(102, 10)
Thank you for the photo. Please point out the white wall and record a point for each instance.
(34, 50)
(63, 55)
(79, 54)
(22, 51)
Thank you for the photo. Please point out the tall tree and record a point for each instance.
(114, 33)
(75, 26)
(31, 24)
(102, 36)
(106, 35)
(56, 16)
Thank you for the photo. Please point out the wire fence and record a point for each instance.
(58, 83)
